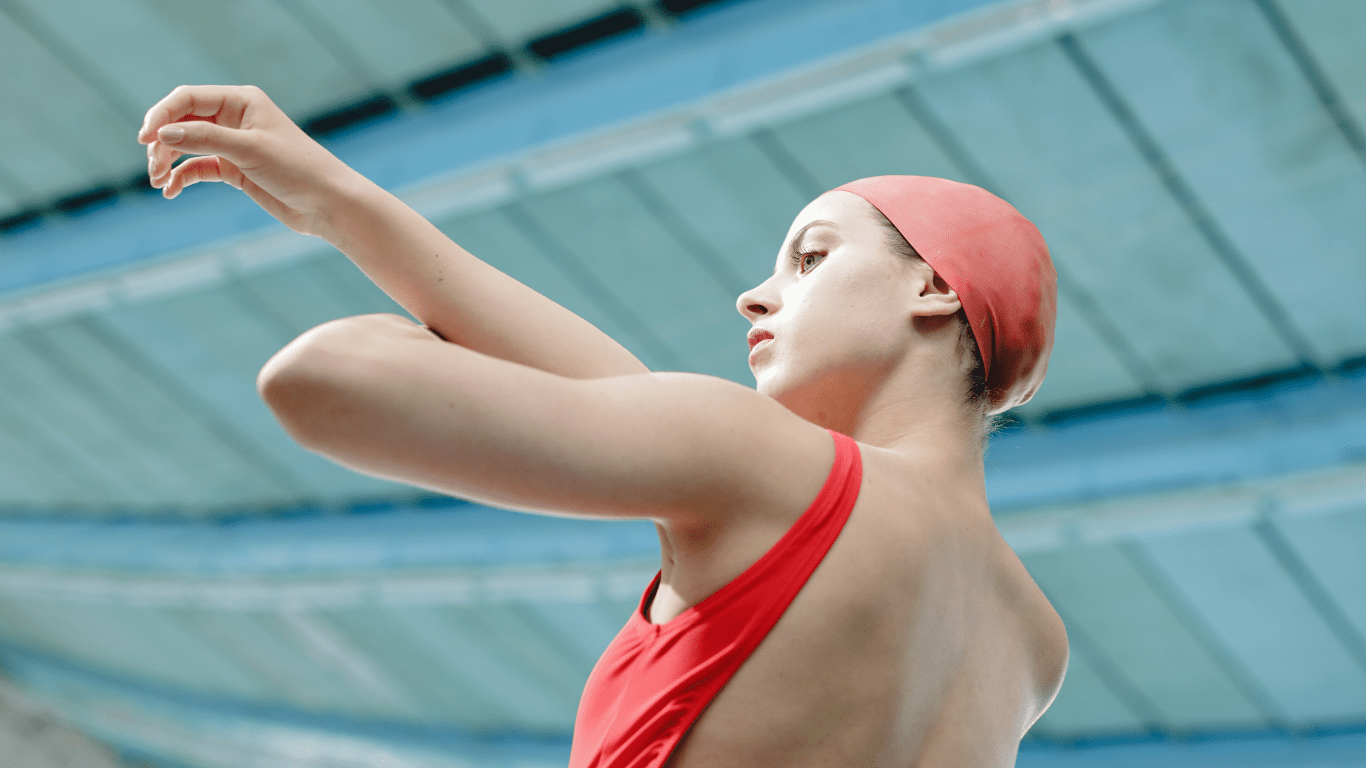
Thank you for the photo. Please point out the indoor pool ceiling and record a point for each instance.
(1197, 169)
(181, 580)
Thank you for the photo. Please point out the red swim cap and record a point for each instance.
(996, 261)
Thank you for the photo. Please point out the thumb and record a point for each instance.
(200, 137)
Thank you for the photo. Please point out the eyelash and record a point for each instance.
(798, 258)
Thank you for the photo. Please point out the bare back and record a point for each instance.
(919, 641)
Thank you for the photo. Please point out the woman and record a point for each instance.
(820, 601)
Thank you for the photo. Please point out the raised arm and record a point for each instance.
(380, 395)
(242, 138)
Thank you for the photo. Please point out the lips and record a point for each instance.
(757, 335)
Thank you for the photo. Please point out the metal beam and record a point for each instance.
(1170, 594)
(1184, 195)
(713, 263)
(233, 439)
(107, 88)
(583, 278)
(1318, 80)
(1314, 592)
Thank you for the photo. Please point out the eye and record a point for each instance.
(806, 261)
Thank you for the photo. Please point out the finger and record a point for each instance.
(160, 159)
(198, 169)
(201, 138)
(222, 103)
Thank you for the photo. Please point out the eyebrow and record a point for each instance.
(792, 249)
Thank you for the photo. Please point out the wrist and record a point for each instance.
(345, 202)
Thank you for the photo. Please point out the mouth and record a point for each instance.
(756, 336)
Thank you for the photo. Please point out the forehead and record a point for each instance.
(849, 212)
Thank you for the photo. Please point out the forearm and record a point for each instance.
(236, 134)
(460, 297)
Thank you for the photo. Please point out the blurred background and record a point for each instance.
(183, 587)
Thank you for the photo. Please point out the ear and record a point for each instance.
(935, 298)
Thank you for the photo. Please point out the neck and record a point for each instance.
(919, 413)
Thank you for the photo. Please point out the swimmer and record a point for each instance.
(832, 590)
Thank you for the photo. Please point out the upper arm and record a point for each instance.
(383, 396)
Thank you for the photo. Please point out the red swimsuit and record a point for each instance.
(654, 680)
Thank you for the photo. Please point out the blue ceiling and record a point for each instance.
(179, 579)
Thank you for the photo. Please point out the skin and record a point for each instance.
(919, 641)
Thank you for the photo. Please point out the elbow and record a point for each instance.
(308, 384)
(292, 384)
(301, 382)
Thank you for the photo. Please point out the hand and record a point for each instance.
(242, 138)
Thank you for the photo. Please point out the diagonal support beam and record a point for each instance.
(1185, 196)
(1313, 590)
(1318, 80)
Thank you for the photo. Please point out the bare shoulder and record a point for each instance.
(1047, 640)
(938, 534)
(1040, 633)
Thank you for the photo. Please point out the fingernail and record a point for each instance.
(171, 134)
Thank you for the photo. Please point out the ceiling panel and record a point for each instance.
(293, 299)
(44, 168)
(399, 40)
(257, 43)
(211, 345)
(497, 240)
(662, 283)
(16, 626)
(1050, 147)
(188, 662)
(142, 642)
(45, 475)
(41, 424)
(35, 375)
(1213, 84)
(439, 691)
(872, 138)
(133, 46)
(344, 280)
(1333, 31)
(255, 642)
(27, 479)
(1333, 548)
(61, 117)
(734, 199)
(518, 20)
(1099, 590)
(52, 470)
(503, 630)
(489, 666)
(586, 628)
(13, 195)
(1234, 582)
(93, 635)
(368, 690)
(184, 429)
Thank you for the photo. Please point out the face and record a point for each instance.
(835, 319)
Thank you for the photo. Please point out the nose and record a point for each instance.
(757, 302)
